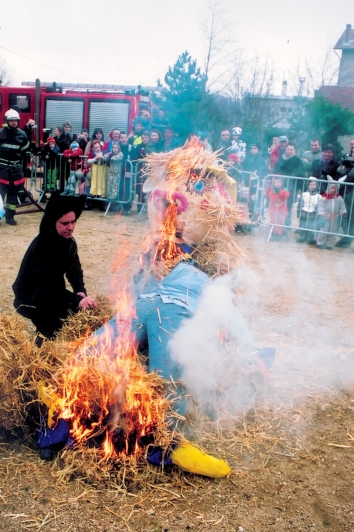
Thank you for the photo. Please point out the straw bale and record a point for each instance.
(16, 356)
(83, 323)
(23, 366)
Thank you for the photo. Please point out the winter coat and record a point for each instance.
(73, 157)
(50, 156)
(291, 166)
(309, 201)
(331, 206)
(13, 146)
(310, 157)
(40, 290)
(278, 207)
(321, 169)
(275, 156)
(238, 147)
(162, 147)
(63, 142)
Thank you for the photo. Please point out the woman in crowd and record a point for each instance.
(97, 135)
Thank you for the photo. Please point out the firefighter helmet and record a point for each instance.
(11, 114)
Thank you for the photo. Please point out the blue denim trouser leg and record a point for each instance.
(156, 322)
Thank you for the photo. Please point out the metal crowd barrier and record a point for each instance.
(42, 177)
(287, 214)
(139, 181)
(126, 189)
(26, 202)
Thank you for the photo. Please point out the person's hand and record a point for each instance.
(86, 301)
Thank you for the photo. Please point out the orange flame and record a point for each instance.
(103, 390)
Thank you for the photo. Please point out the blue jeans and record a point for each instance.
(155, 324)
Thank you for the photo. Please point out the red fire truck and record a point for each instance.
(84, 106)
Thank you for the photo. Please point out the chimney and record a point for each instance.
(346, 40)
(301, 86)
(284, 88)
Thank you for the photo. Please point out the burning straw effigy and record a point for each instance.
(96, 402)
(53, 382)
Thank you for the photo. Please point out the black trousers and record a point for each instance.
(48, 317)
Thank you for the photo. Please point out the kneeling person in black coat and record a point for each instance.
(40, 291)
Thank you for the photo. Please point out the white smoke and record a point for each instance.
(216, 352)
(298, 306)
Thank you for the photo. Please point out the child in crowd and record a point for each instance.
(114, 162)
(307, 211)
(234, 168)
(73, 160)
(331, 210)
(99, 170)
(278, 205)
(49, 154)
(73, 156)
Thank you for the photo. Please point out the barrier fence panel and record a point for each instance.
(287, 203)
(139, 181)
(71, 177)
(247, 187)
(27, 201)
(125, 187)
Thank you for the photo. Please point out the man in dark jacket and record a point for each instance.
(224, 144)
(13, 146)
(347, 193)
(290, 165)
(169, 142)
(254, 163)
(324, 166)
(40, 291)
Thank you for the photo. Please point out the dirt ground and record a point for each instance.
(291, 454)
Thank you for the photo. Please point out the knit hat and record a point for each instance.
(256, 144)
(74, 145)
(57, 206)
(50, 139)
(283, 138)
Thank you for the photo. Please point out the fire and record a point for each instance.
(104, 392)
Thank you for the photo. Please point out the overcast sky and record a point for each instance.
(134, 42)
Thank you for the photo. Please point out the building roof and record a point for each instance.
(335, 94)
(346, 41)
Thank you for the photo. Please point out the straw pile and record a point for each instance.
(23, 365)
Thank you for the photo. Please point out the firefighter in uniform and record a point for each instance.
(13, 146)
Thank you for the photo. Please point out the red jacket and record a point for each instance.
(73, 157)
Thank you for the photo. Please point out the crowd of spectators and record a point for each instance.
(271, 181)
(103, 168)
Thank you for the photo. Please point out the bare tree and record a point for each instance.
(250, 90)
(324, 71)
(311, 74)
(5, 75)
(219, 46)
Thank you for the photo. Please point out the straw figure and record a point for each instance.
(192, 213)
(92, 392)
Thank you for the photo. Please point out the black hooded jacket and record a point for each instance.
(40, 284)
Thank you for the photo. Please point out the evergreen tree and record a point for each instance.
(185, 80)
(324, 119)
(185, 96)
